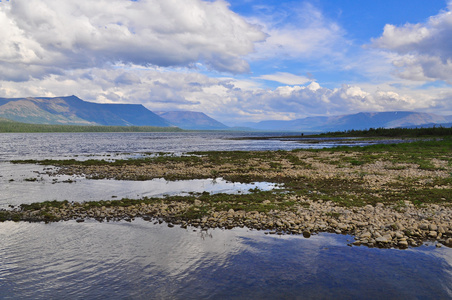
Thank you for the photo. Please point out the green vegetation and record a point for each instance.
(418, 152)
(392, 132)
(256, 200)
(8, 126)
(419, 171)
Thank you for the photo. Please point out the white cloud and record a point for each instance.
(46, 37)
(299, 33)
(222, 98)
(286, 78)
(152, 52)
(425, 49)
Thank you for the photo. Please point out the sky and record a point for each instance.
(236, 61)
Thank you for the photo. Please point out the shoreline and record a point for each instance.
(382, 226)
(396, 195)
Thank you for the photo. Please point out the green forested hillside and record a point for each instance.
(11, 126)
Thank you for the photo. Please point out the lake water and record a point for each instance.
(143, 260)
(111, 145)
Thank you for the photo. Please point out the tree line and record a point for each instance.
(393, 132)
(11, 126)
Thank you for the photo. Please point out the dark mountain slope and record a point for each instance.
(72, 110)
(191, 120)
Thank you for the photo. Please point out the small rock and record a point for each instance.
(423, 226)
(448, 242)
(432, 234)
(403, 244)
(381, 239)
(365, 235)
(369, 207)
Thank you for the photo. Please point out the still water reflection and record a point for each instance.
(25, 184)
(142, 260)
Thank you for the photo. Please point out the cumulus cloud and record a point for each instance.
(44, 37)
(224, 98)
(425, 49)
(160, 53)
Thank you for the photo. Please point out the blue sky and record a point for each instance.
(237, 61)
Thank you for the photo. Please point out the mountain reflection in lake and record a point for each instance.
(144, 260)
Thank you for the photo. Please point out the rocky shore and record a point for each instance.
(381, 225)
(397, 196)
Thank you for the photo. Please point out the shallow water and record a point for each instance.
(16, 187)
(92, 145)
(119, 145)
(142, 260)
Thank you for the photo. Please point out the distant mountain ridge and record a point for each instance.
(74, 111)
(359, 121)
(191, 120)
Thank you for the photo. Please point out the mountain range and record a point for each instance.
(359, 121)
(191, 120)
(72, 110)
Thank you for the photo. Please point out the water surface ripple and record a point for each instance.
(144, 260)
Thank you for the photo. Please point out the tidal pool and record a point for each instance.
(25, 184)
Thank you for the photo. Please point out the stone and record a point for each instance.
(448, 242)
(369, 208)
(403, 244)
(365, 235)
(381, 239)
(342, 226)
(432, 234)
(388, 236)
(384, 239)
(423, 226)
(432, 227)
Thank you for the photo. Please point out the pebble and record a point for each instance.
(374, 226)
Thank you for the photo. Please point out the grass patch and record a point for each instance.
(345, 186)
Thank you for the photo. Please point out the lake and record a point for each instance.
(148, 260)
